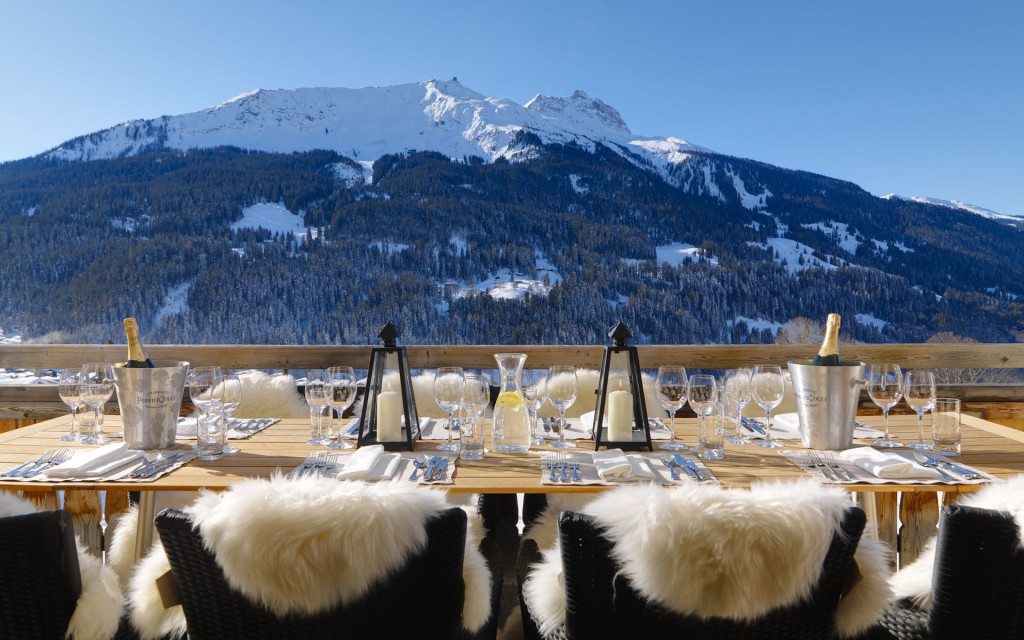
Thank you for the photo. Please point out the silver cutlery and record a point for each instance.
(575, 466)
(326, 462)
(31, 464)
(925, 461)
(416, 466)
(967, 473)
(440, 468)
(431, 467)
(815, 461)
(671, 464)
(562, 461)
(752, 424)
(691, 468)
(553, 466)
(159, 465)
(60, 456)
(829, 458)
(301, 469)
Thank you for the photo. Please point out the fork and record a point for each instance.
(830, 460)
(309, 463)
(575, 466)
(326, 461)
(60, 456)
(671, 464)
(815, 461)
(28, 465)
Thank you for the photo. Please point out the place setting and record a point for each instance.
(615, 467)
(110, 462)
(884, 466)
(372, 463)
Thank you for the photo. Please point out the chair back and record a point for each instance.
(422, 599)
(600, 602)
(978, 577)
(40, 581)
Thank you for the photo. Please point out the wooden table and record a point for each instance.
(988, 447)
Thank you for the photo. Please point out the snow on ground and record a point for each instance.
(748, 200)
(758, 325)
(838, 231)
(23, 376)
(545, 267)
(348, 174)
(869, 320)
(576, 186)
(390, 248)
(505, 285)
(274, 217)
(955, 204)
(176, 301)
(791, 251)
(677, 253)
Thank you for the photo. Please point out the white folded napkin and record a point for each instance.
(888, 464)
(786, 426)
(361, 462)
(615, 466)
(385, 467)
(93, 463)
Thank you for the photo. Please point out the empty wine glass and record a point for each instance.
(562, 389)
(201, 382)
(228, 395)
(340, 397)
(96, 386)
(885, 386)
(71, 395)
(768, 385)
(670, 387)
(702, 392)
(317, 395)
(736, 392)
(534, 393)
(919, 392)
(449, 385)
(476, 395)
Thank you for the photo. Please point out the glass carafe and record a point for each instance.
(511, 424)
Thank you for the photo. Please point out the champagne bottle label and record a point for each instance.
(137, 358)
(828, 355)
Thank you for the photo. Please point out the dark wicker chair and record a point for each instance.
(39, 576)
(977, 581)
(422, 600)
(601, 603)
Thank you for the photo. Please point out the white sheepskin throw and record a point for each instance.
(915, 581)
(98, 610)
(423, 394)
(270, 396)
(305, 546)
(705, 551)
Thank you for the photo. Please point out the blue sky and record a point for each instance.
(921, 98)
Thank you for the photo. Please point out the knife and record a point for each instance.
(431, 467)
(689, 467)
(752, 424)
(158, 466)
(440, 469)
(964, 471)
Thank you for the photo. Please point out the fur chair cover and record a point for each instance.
(305, 546)
(706, 551)
(915, 581)
(270, 396)
(98, 611)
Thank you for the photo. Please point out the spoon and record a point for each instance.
(931, 464)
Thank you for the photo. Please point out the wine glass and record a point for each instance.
(919, 392)
(340, 397)
(317, 395)
(449, 385)
(702, 392)
(71, 395)
(228, 395)
(476, 395)
(96, 386)
(201, 383)
(562, 389)
(534, 393)
(736, 392)
(885, 385)
(769, 385)
(670, 387)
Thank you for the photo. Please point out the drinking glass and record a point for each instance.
(670, 387)
(711, 434)
(71, 395)
(703, 394)
(201, 382)
(736, 393)
(885, 385)
(946, 426)
(96, 386)
(768, 385)
(562, 389)
(340, 397)
(449, 385)
(919, 392)
(317, 395)
(534, 393)
(228, 395)
(476, 395)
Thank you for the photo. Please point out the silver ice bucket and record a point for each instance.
(150, 400)
(826, 402)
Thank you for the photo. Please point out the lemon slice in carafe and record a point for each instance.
(511, 400)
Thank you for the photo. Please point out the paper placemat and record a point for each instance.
(121, 472)
(396, 466)
(587, 472)
(856, 474)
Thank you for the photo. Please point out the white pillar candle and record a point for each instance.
(389, 416)
(620, 416)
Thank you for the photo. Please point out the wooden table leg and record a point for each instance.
(919, 513)
(85, 510)
(44, 500)
(144, 531)
(881, 511)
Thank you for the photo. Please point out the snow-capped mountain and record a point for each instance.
(957, 204)
(442, 116)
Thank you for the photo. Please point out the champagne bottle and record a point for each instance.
(137, 358)
(828, 355)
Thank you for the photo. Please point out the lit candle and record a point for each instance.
(620, 415)
(389, 416)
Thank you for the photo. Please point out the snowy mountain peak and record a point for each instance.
(955, 204)
(580, 108)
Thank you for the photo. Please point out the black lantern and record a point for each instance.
(389, 415)
(620, 417)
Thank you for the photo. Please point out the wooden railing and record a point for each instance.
(1001, 403)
